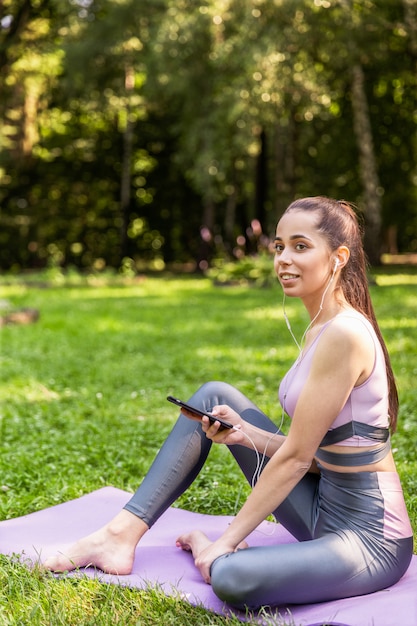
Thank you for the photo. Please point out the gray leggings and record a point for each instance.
(338, 519)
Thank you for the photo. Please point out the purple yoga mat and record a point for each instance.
(160, 563)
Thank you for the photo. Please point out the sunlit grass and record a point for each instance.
(83, 405)
(389, 280)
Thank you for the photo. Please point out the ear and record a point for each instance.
(342, 256)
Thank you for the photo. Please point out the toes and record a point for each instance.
(183, 544)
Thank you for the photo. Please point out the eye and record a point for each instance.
(300, 246)
(278, 247)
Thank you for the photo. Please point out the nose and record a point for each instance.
(282, 261)
(284, 258)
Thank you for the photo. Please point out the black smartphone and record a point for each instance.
(199, 412)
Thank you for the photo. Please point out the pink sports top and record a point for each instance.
(363, 421)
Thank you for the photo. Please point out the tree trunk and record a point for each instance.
(410, 18)
(29, 121)
(261, 181)
(206, 235)
(367, 166)
(279, 172)
(230, 221)
(126, 175)
(285, 149)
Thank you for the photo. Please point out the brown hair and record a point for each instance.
(340, 226)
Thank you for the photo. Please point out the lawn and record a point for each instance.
(83, 405)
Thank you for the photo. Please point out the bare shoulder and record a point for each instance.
(349, 330)
(347, 338)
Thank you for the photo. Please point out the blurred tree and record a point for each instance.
(159, 131)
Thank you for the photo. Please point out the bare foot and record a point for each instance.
(196, 541)
(111, 549)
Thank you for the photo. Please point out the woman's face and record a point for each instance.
(303, 261)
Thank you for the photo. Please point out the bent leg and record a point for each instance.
(175, 467)
(328, 568)
(185, 450)
(112, 548)
(184, 453)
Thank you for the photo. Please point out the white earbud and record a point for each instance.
(336, 264)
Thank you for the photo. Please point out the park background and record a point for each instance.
(146, 134)
(147, 151)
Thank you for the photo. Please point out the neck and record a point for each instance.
(319, 311)
(324, 309)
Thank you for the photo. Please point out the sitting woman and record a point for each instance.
(331, 481)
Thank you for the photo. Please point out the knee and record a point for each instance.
(212, 393)
(232, 583)
(215, 387)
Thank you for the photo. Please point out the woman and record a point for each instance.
(331, 481)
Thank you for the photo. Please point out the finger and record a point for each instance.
(209, 425)
(205, 422)
(205, 573)
(219, 410)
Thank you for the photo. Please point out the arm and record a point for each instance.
(344, 357)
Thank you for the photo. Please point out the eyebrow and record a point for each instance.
(293, 237)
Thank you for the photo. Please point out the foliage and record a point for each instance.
(83, 405)
(158, 130)
(248, 270)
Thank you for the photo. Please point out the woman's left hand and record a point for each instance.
(216, 433)
(207, 557)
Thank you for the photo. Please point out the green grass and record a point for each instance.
(82, 395)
